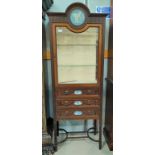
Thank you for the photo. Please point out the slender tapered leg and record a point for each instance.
(95, 127)
(100, 132)
(57, 128)
(55, 135)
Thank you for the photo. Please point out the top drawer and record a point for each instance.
(77, 91)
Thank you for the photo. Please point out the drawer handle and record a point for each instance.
(66, 103)
(66, 92)
(77, 92)
(78, 113)
(77, 103)
(90, 92)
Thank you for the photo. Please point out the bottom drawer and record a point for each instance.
(78, 114)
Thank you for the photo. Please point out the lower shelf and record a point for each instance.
(90, 130)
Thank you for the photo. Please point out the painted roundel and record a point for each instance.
(77, 17)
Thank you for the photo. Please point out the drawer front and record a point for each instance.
(77, 103)
(77, 91)
(78, 113)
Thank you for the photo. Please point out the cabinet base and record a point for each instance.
(93, 129)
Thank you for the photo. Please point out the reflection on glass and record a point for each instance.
(76, 56)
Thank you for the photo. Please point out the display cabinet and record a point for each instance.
(77, 54)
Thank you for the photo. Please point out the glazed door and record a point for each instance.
(77, 55)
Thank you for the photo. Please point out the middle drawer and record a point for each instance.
(74, 103)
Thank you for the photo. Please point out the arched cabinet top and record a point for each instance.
(77, 15)
(77, 5)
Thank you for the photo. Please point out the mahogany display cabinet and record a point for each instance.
(77, 54)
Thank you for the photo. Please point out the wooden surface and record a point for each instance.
(108, 130)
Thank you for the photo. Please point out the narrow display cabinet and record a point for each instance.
(77, 54)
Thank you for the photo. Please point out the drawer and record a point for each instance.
(77, 103)
(75, 114)
(77, 91)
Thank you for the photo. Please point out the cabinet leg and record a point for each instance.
(55, 135)
(55, 148)
(100, 139)
(100, 133)
(57, 128)
(95, 127)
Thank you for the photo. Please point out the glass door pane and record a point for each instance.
(77, 56)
